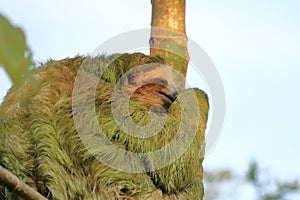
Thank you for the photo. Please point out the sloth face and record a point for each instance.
(152, 85)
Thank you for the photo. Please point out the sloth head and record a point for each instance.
(152, 85)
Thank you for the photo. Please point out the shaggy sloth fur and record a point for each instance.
(40, 144)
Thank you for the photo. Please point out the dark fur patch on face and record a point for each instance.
(130, 78)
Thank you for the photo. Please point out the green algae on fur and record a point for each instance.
(40, 143)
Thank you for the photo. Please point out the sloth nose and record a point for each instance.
(174, 90)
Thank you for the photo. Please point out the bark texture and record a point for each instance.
(168, 36)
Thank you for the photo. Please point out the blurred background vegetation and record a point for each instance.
(256, 184)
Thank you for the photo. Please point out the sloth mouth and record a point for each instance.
(168, 96)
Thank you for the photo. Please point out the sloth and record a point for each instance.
(49, 140)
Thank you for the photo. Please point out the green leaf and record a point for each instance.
(252, 174)
(15, 56)
(272, 197)
(288, 187)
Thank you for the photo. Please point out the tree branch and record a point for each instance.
(168, 37)
(14, 184)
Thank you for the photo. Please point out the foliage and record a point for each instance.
(15, 56)
(280, 191)
(264, 187)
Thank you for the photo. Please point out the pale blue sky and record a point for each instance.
(255, 46)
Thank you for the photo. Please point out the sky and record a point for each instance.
(254, 45)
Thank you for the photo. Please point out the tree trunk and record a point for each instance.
(168, 37)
